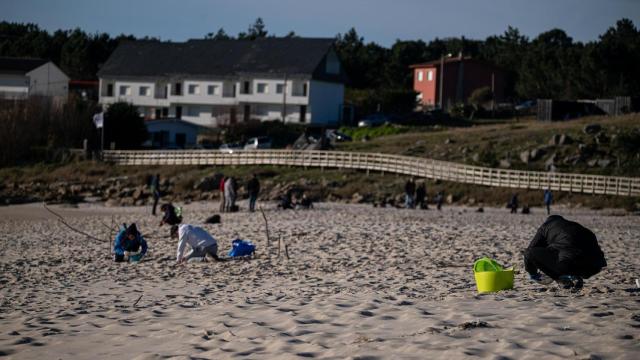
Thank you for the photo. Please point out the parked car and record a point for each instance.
(377, 119)
(230, 147)
(528, 105)
(261, 142)
(336, 135)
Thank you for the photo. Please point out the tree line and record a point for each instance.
(550, 65)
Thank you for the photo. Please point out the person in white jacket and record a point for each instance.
(200, 241)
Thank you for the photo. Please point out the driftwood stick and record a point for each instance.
(136, 303)
(279, 245)
(286, 250)
(61, 219)
(266, 229)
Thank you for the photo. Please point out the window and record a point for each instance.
(212, 90)
(194, 89)
(125, 90)
(430, 75)
(262, 88)
(246, 87)
(420, 75)
(177, 89)
(109, 89)
(304, 89)
(144, 91)
(279, 88)
(193, 110)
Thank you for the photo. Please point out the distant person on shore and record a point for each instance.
(421, 193)
(129, 243)
(513, 203)
(548, 199)
(200, 241)
(305, 202)
(170, 215)
(286, 201)
(253, 188)
(565, 251)
(409, 194)
(230, 194)
(439, 199)
(221, 189)
(155, 191)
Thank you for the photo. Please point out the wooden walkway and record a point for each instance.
(406, 165)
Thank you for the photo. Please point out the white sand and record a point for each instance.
(361, 283)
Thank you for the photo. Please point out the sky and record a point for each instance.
(381, 21)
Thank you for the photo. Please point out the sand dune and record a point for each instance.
(361, 283)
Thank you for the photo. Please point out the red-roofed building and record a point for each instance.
(462, 75)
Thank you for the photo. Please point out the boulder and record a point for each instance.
(112, 203)
(536, 154)
(592, 162)
(505, 164)
(450, 199)
(592, 129)
(525, 156)
(601, 138)
(603, 163)
(137, 194)
(207, 183)
(357, 198)
(560, 139)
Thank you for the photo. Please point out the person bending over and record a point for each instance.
(198, 239)
(169, 216)
(130, 243)
(564, 250)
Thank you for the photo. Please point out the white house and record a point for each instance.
(24, 77)
(219, 82)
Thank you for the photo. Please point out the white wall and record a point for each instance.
(325, 99)
(13, 86)
(48, 80)
(271, 96)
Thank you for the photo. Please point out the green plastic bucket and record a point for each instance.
(491, 277)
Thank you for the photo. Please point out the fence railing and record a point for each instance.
(406, 165)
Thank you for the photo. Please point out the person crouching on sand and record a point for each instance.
(564, 250)
(198, 239)
(129, 242)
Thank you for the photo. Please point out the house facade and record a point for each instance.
(21, 78)
(169, 133)
(220, 82)
(460, 76)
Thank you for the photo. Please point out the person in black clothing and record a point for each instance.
(410, 193)
(155, 191)
(564, 250)
(439, 200)
(170, 217)
(513, 204)
(421, 192)
(253, 188)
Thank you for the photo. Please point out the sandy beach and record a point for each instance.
(360, 283)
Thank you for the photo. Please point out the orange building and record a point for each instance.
(462, 75)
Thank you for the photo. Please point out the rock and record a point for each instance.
(471, 201)
(475, 157)
(592, 162)
(536, 154)
(214, 219)
(505, 164)
(601, 138)
(449, 141)
(560, 139)
(139, 202)
(450, 199)
(137, 195)
(207, 183)
(357, 198)
(571, 160)
(603, 163)
(112, 203)
(592, 129)
(525, 156)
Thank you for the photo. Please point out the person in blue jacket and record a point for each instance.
(129, 240)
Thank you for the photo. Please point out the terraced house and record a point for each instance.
(219, 82)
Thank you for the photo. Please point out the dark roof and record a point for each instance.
(23, 65)
(218, 58)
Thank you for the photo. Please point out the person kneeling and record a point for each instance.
(130, 243)
(198, 238)
(564, 250)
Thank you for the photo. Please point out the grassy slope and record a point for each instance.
(333, 184)
(502, 139)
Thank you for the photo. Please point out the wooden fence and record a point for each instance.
(406, 165)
